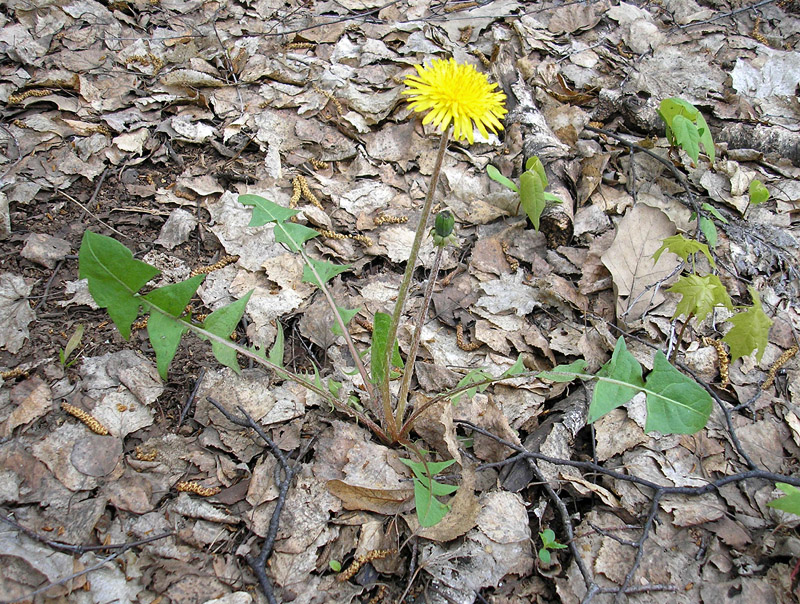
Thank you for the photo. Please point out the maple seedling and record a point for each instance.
(549, 542)
(686, 128)
(532, 184)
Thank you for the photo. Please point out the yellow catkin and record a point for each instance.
(724, 360)
(756, 33)
(462, 344)
(307, 194)
(143, 455)
(13, 374)
(18, 97)
(186, 486)
(331, 98)
(139, 324)
(300, 45)
(376, 554)
(363, 322)
(779, 362)
(296, 192)
(482, 58)
(379, 595)
(466, 34)
(510, 259)
(386, 219)
(362, 239)
(221, 263)
(92, 423)
(453, 8)
(318, 164)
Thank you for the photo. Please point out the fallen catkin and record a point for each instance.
(91, 422)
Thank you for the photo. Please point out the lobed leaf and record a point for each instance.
(164, 328)
(346, 314)
(318, 272)
(222, 322)
(683, 248)
(750, 330)
(564, 373)
(114, 278)
(699, 295)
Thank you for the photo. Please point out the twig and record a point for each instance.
(122, 548)
(258, 563)
(88, 211)
(193, 394)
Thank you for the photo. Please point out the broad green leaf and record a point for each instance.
(676, 404)
(531, 194)
(380, 334)
(564, 373)
(276, 352)
(265, 211)
(114, 278)
(789, 502)
(346, 314)
(534, 164)
(705, 137)
(750, 330)
(683, 248)
(324, 269)
(709, 229)
(552, 198)
(430, 510)
(700, 295)
(496, 176)
(608, 395)
(758, 192)
(687, 136)
(222, 322)
(165, 331)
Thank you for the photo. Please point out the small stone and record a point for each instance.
(45, 249)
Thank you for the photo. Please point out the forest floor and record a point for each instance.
(144, 121)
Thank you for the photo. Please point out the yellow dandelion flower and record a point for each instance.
(456, 93)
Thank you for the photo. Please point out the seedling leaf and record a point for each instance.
(683, 248)
(346, 314)
(789, 502)
(700, 295)
(709, 229)
(750, 330)
(687, 136)
(531, 194)
(276, 352)
(676, 404)
(496, 176)
(758, 192)
(380, 334)
(114, 278)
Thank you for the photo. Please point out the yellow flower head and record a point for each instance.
(457, 93)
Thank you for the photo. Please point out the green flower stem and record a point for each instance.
(279, 370)
(406, 283)
(402, 397)
(338, 318)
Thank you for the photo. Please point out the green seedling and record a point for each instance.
(72, 344)
(335, 566)
(686, 128)
(532, 184)
(549, 542)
